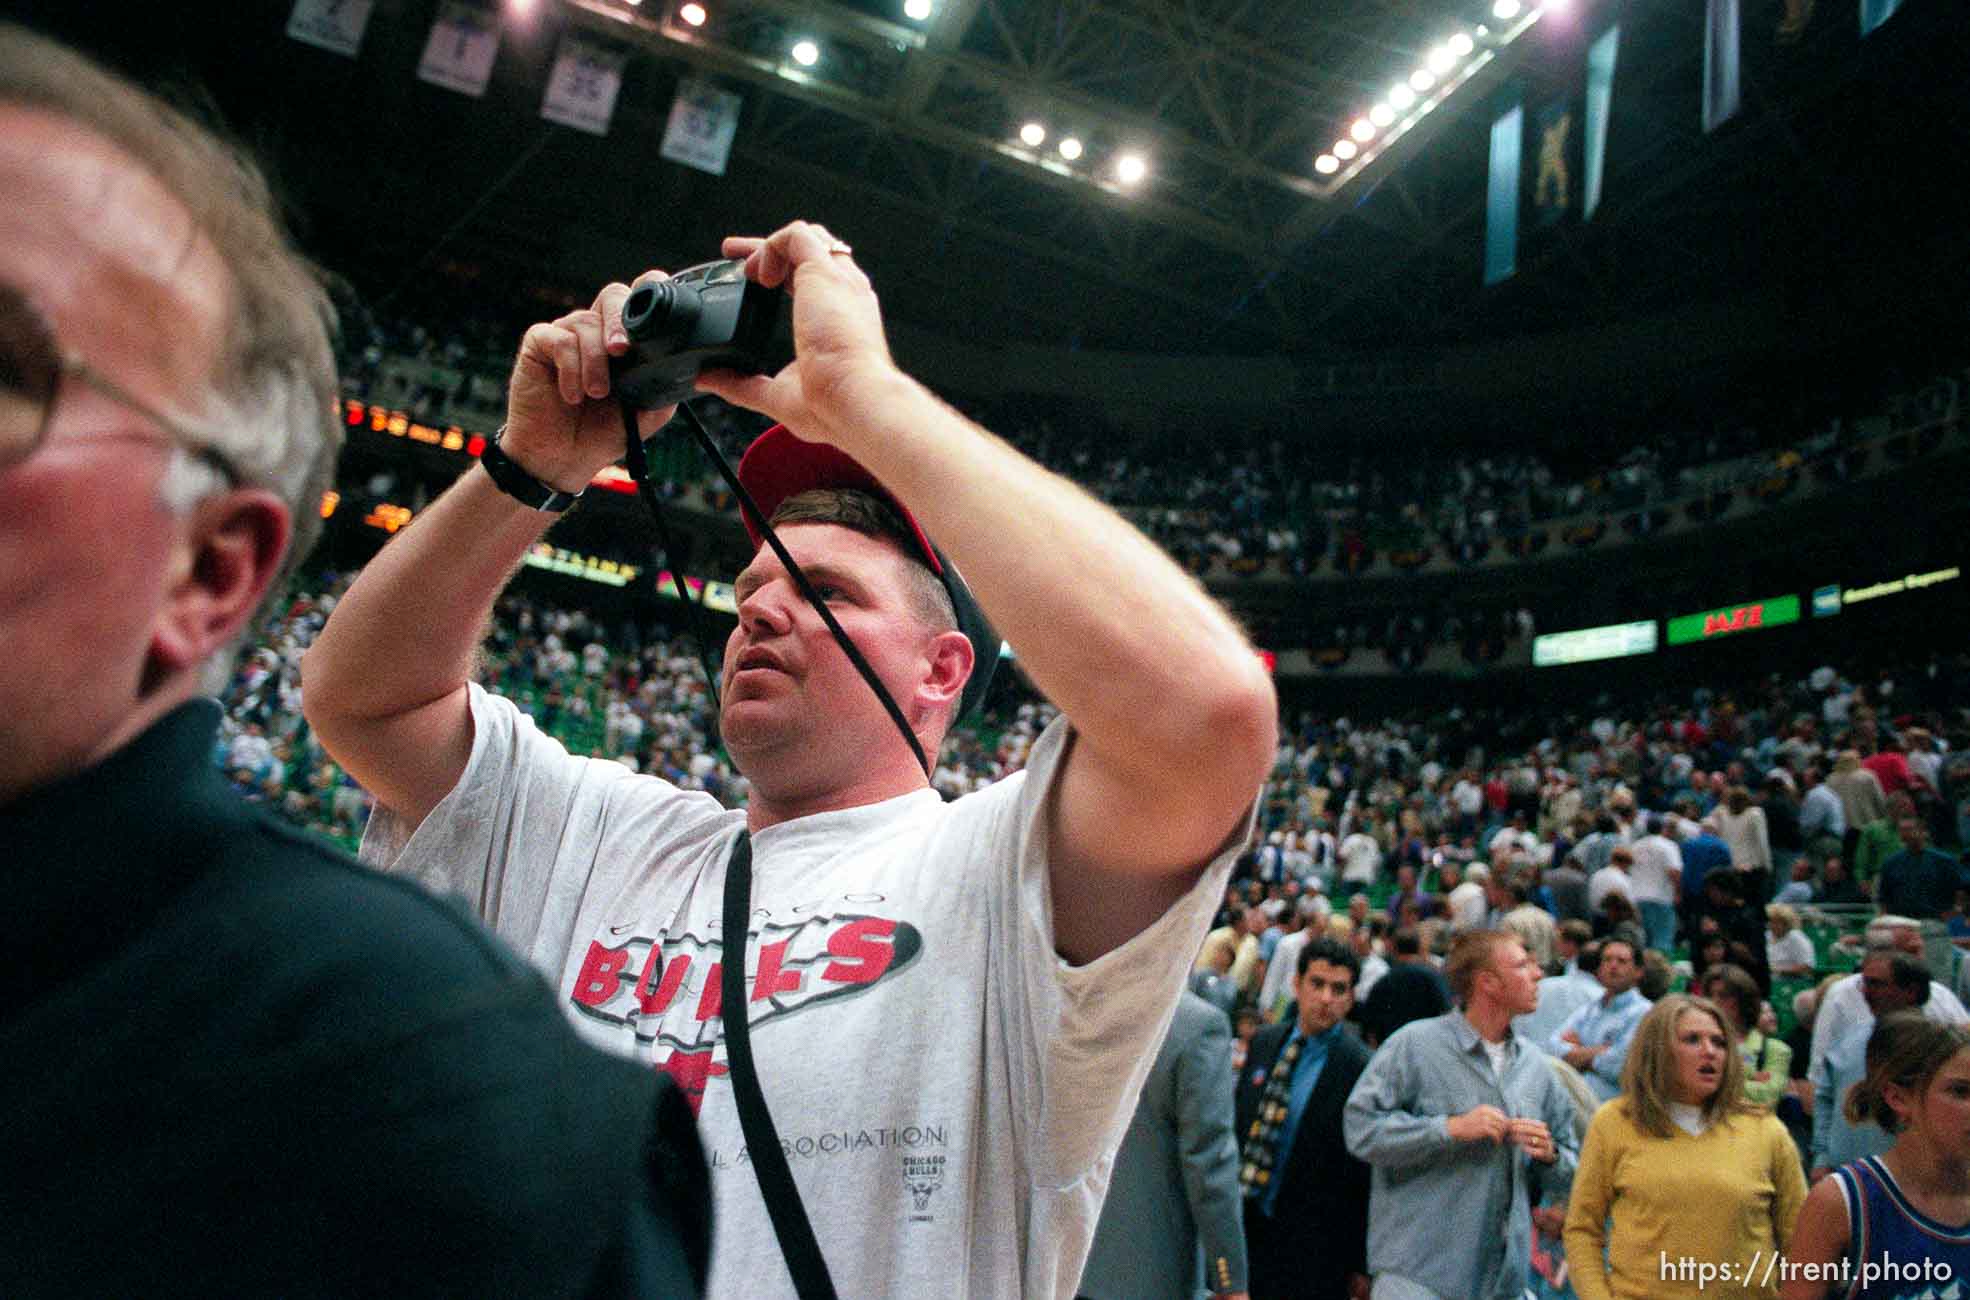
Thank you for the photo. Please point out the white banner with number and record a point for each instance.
(334, 25)
(459, 56)
(581, 91)
(703, 121)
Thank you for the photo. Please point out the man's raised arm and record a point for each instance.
(384, 683)
(1174, 715)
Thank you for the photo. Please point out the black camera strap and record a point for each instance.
(798, 1245)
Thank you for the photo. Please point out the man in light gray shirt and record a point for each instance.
(1458, 1116)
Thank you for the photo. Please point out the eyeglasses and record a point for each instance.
(33, 365)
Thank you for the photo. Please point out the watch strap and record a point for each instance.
(517, 483)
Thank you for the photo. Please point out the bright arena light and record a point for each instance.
(1345, 149)
(1381, 115)
(1130, 168)
(1327, 164)
(916, 10)
(1401, 96)
(1070, 148)
(693, 14)
(1362, 130)
(1421, 80)
(1033, 135)
(1441, 60)
(1506, 10)
(806, 53)
(1462, 44)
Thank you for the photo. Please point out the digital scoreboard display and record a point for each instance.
(1731, 620)
(1585, 645)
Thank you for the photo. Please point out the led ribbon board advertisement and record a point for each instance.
(1747, 616)
(1832, 599)
(1614, 641)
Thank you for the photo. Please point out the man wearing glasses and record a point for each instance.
(235, 1063)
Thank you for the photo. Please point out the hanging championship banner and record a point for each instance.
(1501, 204)
(1722, 91)
(1600, 102)
(582, 89)
(459, 56)
(703, 122)
(333, 25)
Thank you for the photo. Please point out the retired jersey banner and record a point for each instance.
(459, 56)
(333, 25)
(1501, 204)
(1600, 105)
(1722, 93)
(703, 123)
(1555, 163)
(582, 89)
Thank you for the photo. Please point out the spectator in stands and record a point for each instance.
(1568, 884)
(1240, 938)
(1431, 1115)
(1822, 817)
(1741, 824)
(1679, 1167)
(1838, 888)
(1170, 1222)
(1412, 989)
(1612, 879)
(1463, 901)
(1799, 889)
(1409, 894)
(1891, 981)
(1703, 853)
(1862, 799)
(1368, 941)
(1912, 1200)
(1789, 951)
(1531, 923)
(1922, 883)
(1845, 1004)
(1114, 839)
(1595, 1038)
(1306, 1196)
(1562, 994)
(1655, 876)
(1767, 1059)
(276, 1114)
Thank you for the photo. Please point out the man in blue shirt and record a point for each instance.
(1463, 1124)
(1306, 1197)
(1594, 1039)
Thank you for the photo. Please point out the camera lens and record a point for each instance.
(660, 308)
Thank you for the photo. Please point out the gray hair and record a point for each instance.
(270, 406)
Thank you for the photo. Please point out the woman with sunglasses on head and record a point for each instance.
(1897, 1225)
(1680, 1168)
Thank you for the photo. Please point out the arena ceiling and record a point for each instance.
(903, 138)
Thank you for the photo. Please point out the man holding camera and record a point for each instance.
(1013, 957)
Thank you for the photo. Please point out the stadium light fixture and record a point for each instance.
(1362, 130)
(806, 53)
(694, 15)
(1070, 148)
(1381, 115)
(1421, 80)
(916, 10)
(1326, 164)
(1130, 168)
(1441, 60)
(1461, 44)
(1344, 149)
(1401, 96)
(1506, 10)
(1032, 135)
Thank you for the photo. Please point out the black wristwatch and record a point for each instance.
(520, 485)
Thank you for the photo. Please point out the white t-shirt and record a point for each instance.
(1608, 880)
(1795, 949)
(950, 1092)
(1648, 877)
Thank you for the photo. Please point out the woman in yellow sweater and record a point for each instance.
(1683, 1189)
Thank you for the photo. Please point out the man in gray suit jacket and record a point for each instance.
(1173, 1203)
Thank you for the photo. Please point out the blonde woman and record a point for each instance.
(1911, 1206)
(1788, 950)
(1679, 1167)
(1740, 823)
